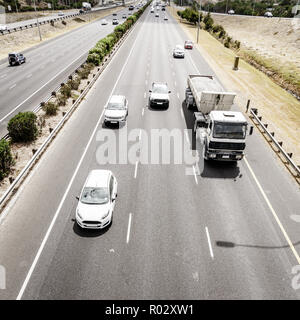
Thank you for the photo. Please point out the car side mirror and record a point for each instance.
(77, 197)
(169, 91)
(150, 90)
(251, 130)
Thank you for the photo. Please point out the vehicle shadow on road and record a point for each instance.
(228, 244)
(89, 233)
(189, 120)
(218, 169)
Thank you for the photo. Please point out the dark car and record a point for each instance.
(131, 8)
(114, 14)
(16, 59)
(81, 11)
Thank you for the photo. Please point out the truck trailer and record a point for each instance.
(222, 132)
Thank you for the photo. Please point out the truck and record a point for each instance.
(222, 132)
(86, 6)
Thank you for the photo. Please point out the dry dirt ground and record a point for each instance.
(15, 17)
(274, 38)
(21, 40)
(278, 108)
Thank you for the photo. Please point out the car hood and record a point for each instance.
(164, 96)
(178, 51)
(92, 212)
(110, 113)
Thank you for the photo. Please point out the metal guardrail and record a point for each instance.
(41, 149)
(287, 156)
(58, 18)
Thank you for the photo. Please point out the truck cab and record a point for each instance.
(222, 134)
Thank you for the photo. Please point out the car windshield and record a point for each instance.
(229, 130)
(115, 106)
(92, 195)
(178, 48)
(159, 88)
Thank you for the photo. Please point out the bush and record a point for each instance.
(74, 83)
(61, 100)
(209, 22)
(227, 44)
(50, 108)
(222, 34)
(66, 91)
(22, 127)
(217, 28)
(6, 159)
(237, 44)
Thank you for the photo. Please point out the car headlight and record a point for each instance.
(212, 155)
(105, 215)
(78, 214)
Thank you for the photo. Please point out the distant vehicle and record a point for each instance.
(231, 12)
(124, 16)
(165, 18)
(156, 14)
(114, 14)
(152, 10)
(159, 95)
(178, 52)
(104, 22)
(163, 8)
(116, 111)
(86, 6)
(97, 200)
(268, 14)
(222, 133)
(130, 7)
(16, 59)
(3, 27)
(61, 14)
(115, 21)
(81, 11)
(188, 44)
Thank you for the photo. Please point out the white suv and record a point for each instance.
(159, 95)
(97, 200)
(116, 110)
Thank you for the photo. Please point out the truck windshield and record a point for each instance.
(229, 130)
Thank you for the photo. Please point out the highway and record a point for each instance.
(225, 233)
(23, 87)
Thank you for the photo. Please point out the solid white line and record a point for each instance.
(181, 112)
(273, 212)
(12, 86)
(135, 170)
(143, 111)
(13, 110)
(25, 283)
(128, 228)
(209, 243)
(195, 175)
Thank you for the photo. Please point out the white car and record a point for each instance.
(61, 14)
(159, 95)
(178, 52)
(116, 110)
(3, 27)
(165, 18)
(104, 22)
(152, 10)
(97, 200)
(231, 12)
(156, 14)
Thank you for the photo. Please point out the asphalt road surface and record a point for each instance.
(225, 233)
(23, 87)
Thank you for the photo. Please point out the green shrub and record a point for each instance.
(237, 44)
(74, 83)
(66, 90)
(6, 159)
(222, 34)
(61, 100)
(209, 22)
(227, 44)
(50, 108)
(22, 127)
